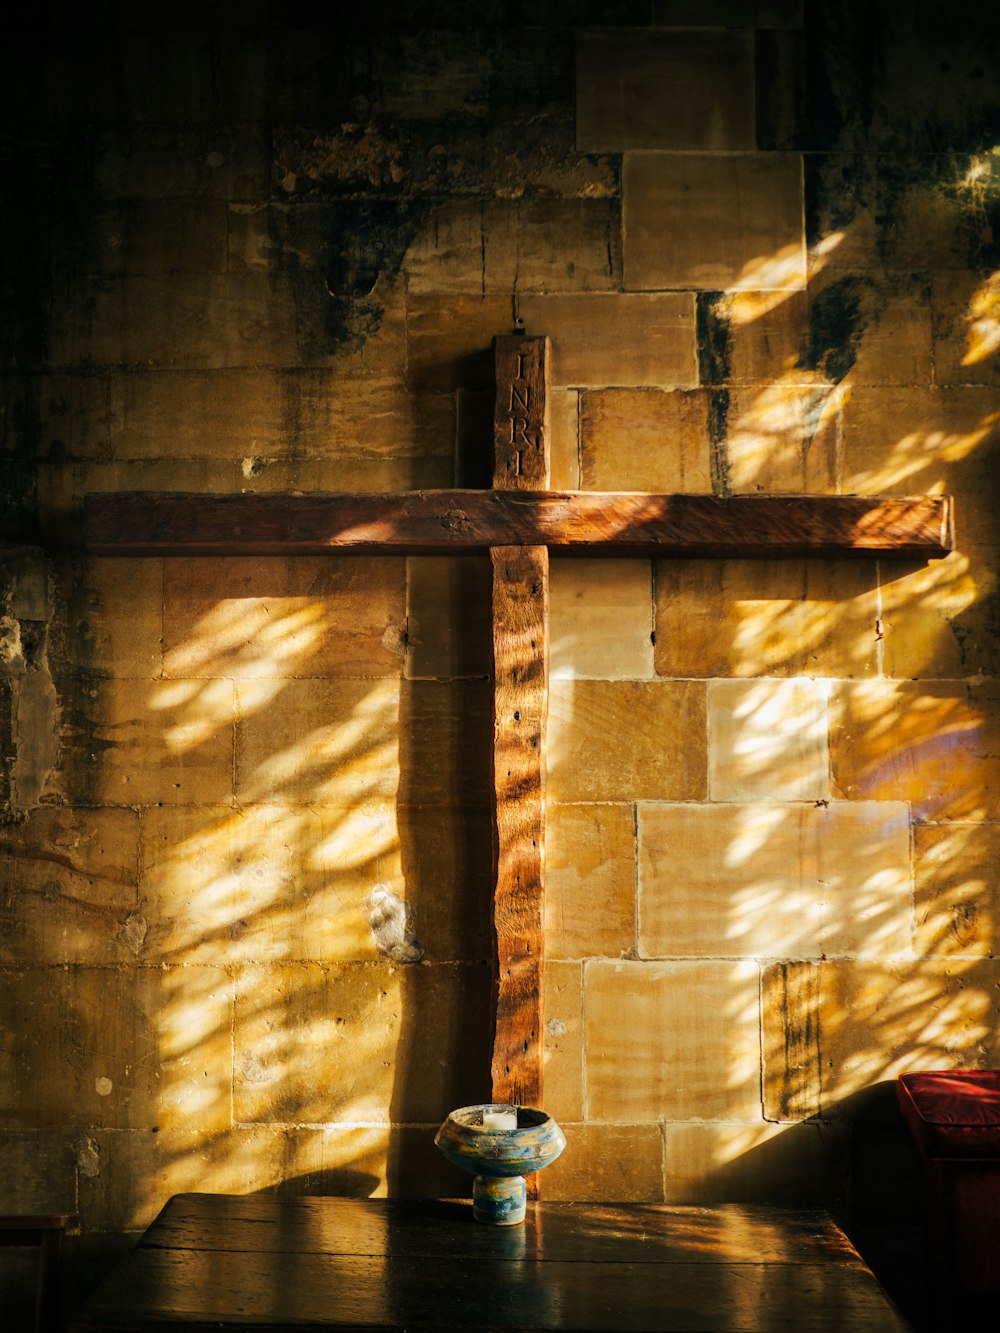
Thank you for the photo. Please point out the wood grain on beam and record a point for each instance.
(520, 690)
(572, 522)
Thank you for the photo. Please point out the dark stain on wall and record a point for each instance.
(838, 318)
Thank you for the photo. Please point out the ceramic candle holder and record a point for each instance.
(500, 1158)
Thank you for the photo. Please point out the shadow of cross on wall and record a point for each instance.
(517, 521)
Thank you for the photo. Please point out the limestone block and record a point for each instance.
(144, 742)
(283, 618)
(674, 90)
(729, 13)
(791, 1005)
(446, 742)
(644, 440)
(757, 338)
(832, 1030)
(314, 741)
(69, 886)
(117, 1047)
(600, 620)
(621, 339)
(626, 740)
(255, 418)
(446, 878)
(795, 1166)
(934, 744)
(74, 414)
(157, 162)
(209, 321)
(564, 441)
(910, 441)
(116, 621)
(938, 619)
(601, 1162)
(896, 348)
(589, 881)
(221, 885)
(671, 1041)
(449, 340)
(143, 237)
(449, 630)
(38, 1173)
(557, 245)
(783, 438)
(767, 740)
(563, 1040)
(357, 474)
(966, 328)
(353, 1042)
(766, 618)
(770, 880)
(719, 221)
(956, 898)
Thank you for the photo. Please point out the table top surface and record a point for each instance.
(224, 1261)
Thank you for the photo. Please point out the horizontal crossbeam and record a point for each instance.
(572, 522)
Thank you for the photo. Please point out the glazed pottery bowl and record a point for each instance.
(500, 1158)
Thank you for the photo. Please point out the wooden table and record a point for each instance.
(220, 1261)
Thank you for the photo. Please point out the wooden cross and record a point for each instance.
(517, 521)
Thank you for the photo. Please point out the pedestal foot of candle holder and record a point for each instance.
(499, 1200)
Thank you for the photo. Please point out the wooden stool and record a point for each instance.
(46, 1231)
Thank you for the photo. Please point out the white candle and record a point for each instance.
(499, 1120)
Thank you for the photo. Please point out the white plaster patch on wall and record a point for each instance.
(103, 1086)
(88, 1158)
(391, 924)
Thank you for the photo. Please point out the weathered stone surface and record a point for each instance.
(956, 902)
(832, 1030)
(617, 340)
(590, 880)
(767, 618)
(448, 626)
(255, 418)
(761, 338)
(966, 328)
(549, 245)
(664, 758)
(131, 1047)
(283, 618)
(175, 162)
(448, 340)
(564, 439)
(601, 1162)
(143, 237)
(343, 742)
(767, 740)
(446, 877)
(939, 620)
(932, 743)
(782, 439)
(182, 729)
(662, 1039)
(686, 90)
(304, 1032)
(795, 1166)
(179, 321)
(221, 885)
(563, 1041)
(714, 222)
(327, 742)
(904, 441)
(69, 886)
(600, 620)
(39, 1173)
(777, 881)
(116, 621)
(634, 440)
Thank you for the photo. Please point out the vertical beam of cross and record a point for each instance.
(520, 662)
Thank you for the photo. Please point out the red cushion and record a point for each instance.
(953, 1113)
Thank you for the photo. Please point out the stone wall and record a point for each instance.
(245, 911)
